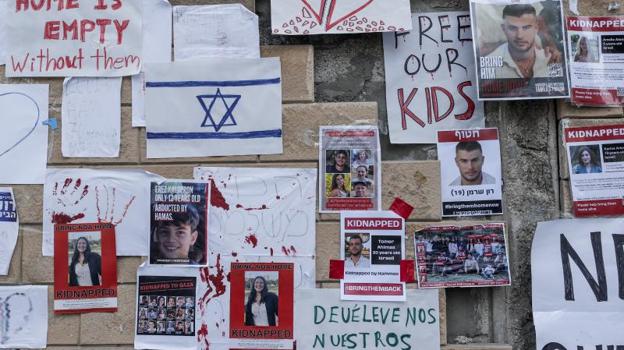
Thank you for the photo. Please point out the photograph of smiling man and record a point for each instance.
(179, 223)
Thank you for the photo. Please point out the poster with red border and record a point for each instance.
(596, 163)
(85, 276)
(261, 305)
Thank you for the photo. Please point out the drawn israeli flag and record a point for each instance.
(213, 107)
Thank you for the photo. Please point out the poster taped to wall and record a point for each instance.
(166, 308)
(596, 163)
(372, 249)
(24, 317)
(576, 276)
(462, 256)
(121, 197)
(519, 48)
(423, 97)
(179, 223)
(261, 305)
(597, 54)
(85, 268)
(413, 324)
(303, 17)
(71, 38)
(470, 172)
(9, 228)
(350, 168)
(225, 106)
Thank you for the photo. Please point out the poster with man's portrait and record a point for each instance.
(471, 176)
(520, 49)
(85, 268)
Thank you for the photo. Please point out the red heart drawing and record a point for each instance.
(330, 24)
(321, 9)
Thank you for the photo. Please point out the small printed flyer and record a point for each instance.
(350, 168)
(166, 308)
(596, 163)
(261, 305)
(372, 250)
(597, 60)
(85, 268)
(471, 176)
(179, 223)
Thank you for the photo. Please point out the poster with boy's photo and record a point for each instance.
(520, 49)
(462, 256)
(470, 172)
(179, 223)
(261, 305)
(166, 308)
(349, 160)
(85, 268)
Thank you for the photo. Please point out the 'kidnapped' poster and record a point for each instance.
(519, 49)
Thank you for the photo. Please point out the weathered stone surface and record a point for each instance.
(127, 267)
(327, 248)
(62, 329)
(477, 347)
(15, 269)
(35, 267)
(566, 198)
(111, 328)
(29, 201)
(592, 8)
(567, 110)
(417, 183)
(297, 70)
(443, 333)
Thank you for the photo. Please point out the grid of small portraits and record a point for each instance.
(166, 315)
(350, 173)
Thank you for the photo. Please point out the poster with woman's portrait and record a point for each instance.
(85, 268)
(261, 304)
(349, 160)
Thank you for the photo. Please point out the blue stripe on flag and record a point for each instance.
(196, 83)
(214, 135)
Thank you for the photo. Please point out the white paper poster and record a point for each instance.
(23, 317)
(256, 215)
(71, 38)
(9, 228)
(3, 18)
(303, 17)
(430, 78)
(372, 247)
(91, 117)
(209, 31)
(157, 41)
(323, 321)
(576, 273)
(222, 107)
(23, 108)
(166, 308)
(120, 196)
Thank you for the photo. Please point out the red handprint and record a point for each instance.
(68, 196)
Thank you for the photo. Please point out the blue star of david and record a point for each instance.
(227, 119)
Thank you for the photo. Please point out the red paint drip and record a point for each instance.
(251, 240)
(285, 250)
(85, 191)
(68, 181)
(202, 334)
(271, 251)
(62, 218)
(216, 281)
(216, 197)
(293, 250)
(125, 212)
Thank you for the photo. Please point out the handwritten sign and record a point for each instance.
(430, 78)
(73, 38)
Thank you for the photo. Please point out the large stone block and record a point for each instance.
(29, 202)
(15, 269)
(111, 328)
(35, 267)
(128, 152)
(127, 267)
(301, 125)
(567, 110)
(327, 248)
(297, 70)
(566, 198)
(62, 329)
(593, 8)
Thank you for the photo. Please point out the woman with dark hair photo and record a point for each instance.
(338, 188)
(85, 269)
(261, 307)
(586, 161)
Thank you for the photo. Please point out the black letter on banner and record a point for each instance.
(618, 242)
(554, 346)
(567, 252)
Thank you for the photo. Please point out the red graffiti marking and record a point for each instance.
(62, 218)
(289, 251)
(214, 281)
(262, 207)
(202, 334)
(252, 240)
(110, 202)
(216, 197)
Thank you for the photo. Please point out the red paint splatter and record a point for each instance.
(85, 191)
(216, 280)
(62, 218)
(216, 197)
(271, 251)
(293, 250)
(251, 240)
(262, 207)
(68, 182)
(202, 334)
(289, 251)
(123, 216)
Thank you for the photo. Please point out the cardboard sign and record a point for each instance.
(576, 277)
(350, 168)
(372, 249)
(430, 78)
(326, 322)
(510, 65)
(85, 268)
(470, 172)
(225, 106)
(71, 38)
(23, 317)
(462, 256)
(179, 223)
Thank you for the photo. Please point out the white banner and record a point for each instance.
(578, 290)
(23, 317)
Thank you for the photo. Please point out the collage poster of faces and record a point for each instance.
(179, 223)
(350, 168)
(520, 49)
(470, 164)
